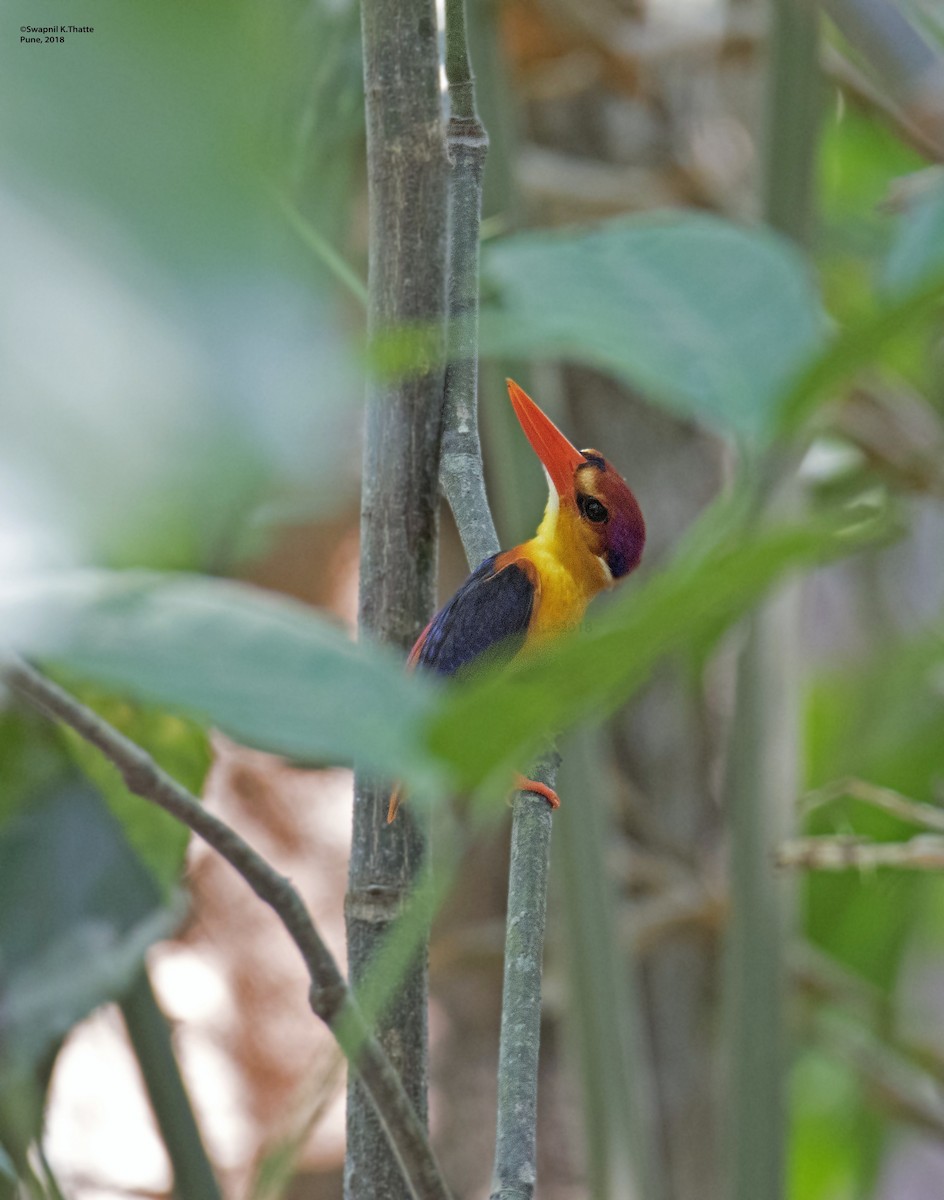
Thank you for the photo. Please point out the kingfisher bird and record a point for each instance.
(591, 535)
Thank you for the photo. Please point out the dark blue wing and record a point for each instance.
(486, 620)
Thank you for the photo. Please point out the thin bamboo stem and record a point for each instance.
(762, 771)
(515, 1172)
(618, 1117)
(461, 469)
(515, 1167)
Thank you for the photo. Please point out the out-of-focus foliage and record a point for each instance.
(918, 251)
(264, 669)
(179, 746)
(77, 913)
(706, 317)
(175, 380)
(164, 336)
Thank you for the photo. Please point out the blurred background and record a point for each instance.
(183, 229)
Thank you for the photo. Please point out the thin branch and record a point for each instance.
(329, 996)
(923, 853)
(912, 127)
(822, 981)
(909, 68)
(915, 812)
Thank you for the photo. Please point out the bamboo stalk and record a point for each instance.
(461, 470)
(407, 186)
(515, 1167)
(515, 1171)
(764, 754)
(618, 1089)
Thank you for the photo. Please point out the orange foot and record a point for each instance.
(523, 784)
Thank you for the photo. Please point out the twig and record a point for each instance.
(902, 1092)
(920, 134)
(823, 981)
(915, 812)
(907, 65)
(923, 853)
(329, 996)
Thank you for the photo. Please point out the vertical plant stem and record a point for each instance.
(764, 758)
(794, 100)
(150, 1038)
(467, 141)
(516, 1142)
(515, 1170)
(618, 1091)
(407, 187)
(761, 772)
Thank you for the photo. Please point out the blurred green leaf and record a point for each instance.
(77, 913)
(502, 718)
(31, 759)
(155, 118)
(856, 347)
(917, 253)
(708, 318)
(179, 746)
(169, 358)
(266, 670)
(836, 1141)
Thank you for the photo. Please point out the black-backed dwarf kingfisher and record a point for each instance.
(591, 535)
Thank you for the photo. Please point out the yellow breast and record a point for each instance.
(570, 574)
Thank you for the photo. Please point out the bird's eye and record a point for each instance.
(593, 510)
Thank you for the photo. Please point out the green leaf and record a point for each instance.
(917, 253)
(77, 913)
(709, 319)
(856, 348)
(268, 671)
(179, 746)
(32, 759)
(502, 718)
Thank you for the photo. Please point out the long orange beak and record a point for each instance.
(558, 456)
